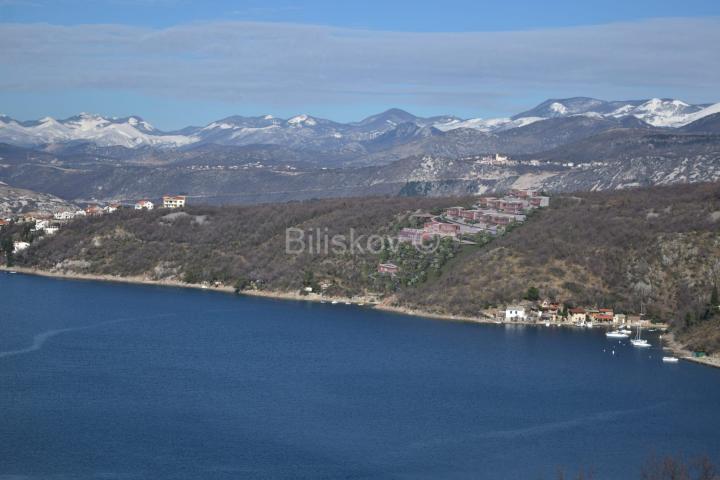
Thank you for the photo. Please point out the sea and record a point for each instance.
(116, 381)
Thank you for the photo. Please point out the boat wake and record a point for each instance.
(542, 429)
(40, 339)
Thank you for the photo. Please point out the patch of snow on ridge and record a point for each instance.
(558, 107)
(489, 125)
(303, 119)
(220, 125)
(711, 110)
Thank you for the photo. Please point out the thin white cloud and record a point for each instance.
(300, 64)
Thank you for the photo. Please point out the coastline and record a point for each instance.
(668, 340)
(683, 353)
(273, 294)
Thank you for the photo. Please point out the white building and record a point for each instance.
(173, 201)
(66, 215)
(515, 313)
(144, 205)
(20, 246)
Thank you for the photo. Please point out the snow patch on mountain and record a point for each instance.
(558, 108)
(302, 120)
(487, 125)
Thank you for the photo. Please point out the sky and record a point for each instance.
(181, 62)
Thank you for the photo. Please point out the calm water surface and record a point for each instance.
(119, 381)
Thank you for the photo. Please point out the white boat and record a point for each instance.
(348, 303)
(590, 325)
(547, 324)
(334, 302)
(638, 341)
(671, 359)
(626, 331)
(616, 334)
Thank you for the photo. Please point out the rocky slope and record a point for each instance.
(14, 201)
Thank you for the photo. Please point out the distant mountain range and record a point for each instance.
(561, 145)
(307, 132)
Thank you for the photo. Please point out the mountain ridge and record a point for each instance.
(307, 131)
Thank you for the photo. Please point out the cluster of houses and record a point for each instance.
(168, 201)
(50, 223)
(489, 215)
(550, 311)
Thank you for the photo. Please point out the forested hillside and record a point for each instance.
(659, 245)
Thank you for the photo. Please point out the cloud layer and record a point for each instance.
(291, 64)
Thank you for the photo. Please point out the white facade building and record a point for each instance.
(515, 313)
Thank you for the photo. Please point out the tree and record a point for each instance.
(8, 247)
(533, 294)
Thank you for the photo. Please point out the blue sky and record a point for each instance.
(180, 62)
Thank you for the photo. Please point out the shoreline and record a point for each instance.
(668, 340)
(679, 350)
(272, 294)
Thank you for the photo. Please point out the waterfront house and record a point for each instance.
(578, 315)
(388, 268)
(144, 205)
(173, 201)
(113, 207)
(602, 317)
(515, 313)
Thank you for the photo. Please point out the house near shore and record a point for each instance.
(577, 315)
(515, 313)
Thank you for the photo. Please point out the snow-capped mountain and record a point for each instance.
(127, 132)
(312, 133)
(660, 112)
(655, 112)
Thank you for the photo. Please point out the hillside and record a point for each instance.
(658, 245)
(18, 200)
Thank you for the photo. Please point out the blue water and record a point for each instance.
(103, 380)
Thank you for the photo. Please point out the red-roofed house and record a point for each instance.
(389, 268)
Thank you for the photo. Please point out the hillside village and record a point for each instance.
(438, 237)
(49, 222)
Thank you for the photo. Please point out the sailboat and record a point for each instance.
(638, 341)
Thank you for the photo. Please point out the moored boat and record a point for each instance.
(670, 359)
(616, 334)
